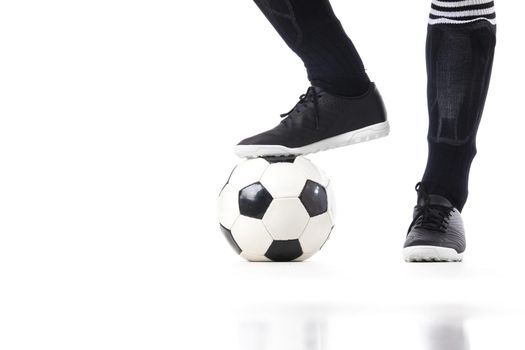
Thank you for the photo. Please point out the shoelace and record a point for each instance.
(310, 94)
(430, 216)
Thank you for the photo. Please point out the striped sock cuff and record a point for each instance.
(461, 11)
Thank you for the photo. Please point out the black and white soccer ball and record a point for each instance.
(279, 209)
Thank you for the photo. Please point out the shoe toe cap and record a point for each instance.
(265, 138)
(252, 140)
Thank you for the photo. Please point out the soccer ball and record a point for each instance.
(276, 209)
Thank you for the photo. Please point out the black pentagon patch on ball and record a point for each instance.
(314, 198)
(284, 250)
(229, 237)
(280, 159)
(254, 200)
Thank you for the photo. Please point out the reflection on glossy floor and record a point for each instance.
(311, 327)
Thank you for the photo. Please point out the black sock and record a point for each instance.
(313, 32)
(460, 49)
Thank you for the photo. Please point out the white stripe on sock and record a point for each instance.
(460, 3)
(469, 13)
(455, 21)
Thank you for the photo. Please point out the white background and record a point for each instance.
(117, 123)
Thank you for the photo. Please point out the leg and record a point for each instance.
(311, 29)
(341, 107)
(460, 49)
(459, 64)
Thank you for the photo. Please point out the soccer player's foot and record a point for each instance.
(321, 121)
(436, 232)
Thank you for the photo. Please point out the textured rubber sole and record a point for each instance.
(361, 135)
(424, 253)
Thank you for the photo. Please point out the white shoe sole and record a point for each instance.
(424, 253)
(361, 135)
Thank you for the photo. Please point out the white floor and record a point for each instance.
(315, 327)
(315, 305)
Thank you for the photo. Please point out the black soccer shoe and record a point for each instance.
(320, 121)
(436, 232)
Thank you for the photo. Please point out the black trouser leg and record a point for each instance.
(313, 32)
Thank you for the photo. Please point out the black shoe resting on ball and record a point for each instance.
(436, 232)
(320, 121)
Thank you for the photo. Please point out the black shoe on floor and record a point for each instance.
(320, 121)
(436, 232)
